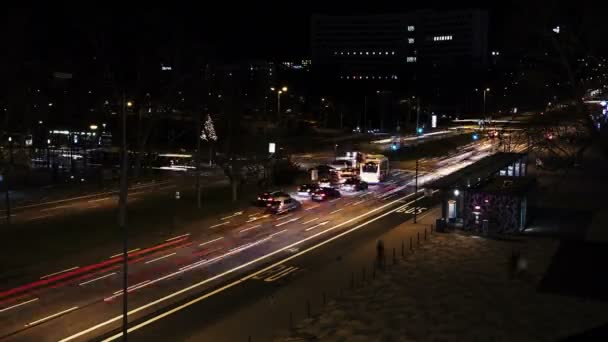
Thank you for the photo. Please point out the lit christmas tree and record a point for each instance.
(208, 131)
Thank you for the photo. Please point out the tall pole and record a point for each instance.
(278, 105)
(6, 180)
(417, 156)
(198, 160)
(416, 194)
(484, 104)
(122, 219)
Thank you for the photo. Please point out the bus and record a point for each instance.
(374, 169)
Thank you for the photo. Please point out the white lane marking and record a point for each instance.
(18, 305)
(281, 274)
(99, 199)
(232, 270)
(358, 202)
(128, 252)
(36, 218)
(51, 316)
(177, 237)
(277, 233)
(233, 215)
(347, 204)
(307, 222)
(284, 217)
(210, 241)
(52, 274)
(160, 258)
(96, 279)
(335, 199)
(313, 207)
(250, 228)
(316, 226)
(335, 211)
(220, 224)
(288, 221)
(57, 207)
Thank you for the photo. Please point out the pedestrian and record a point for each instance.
(380, 253)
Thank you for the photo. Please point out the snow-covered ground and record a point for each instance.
(456, 288)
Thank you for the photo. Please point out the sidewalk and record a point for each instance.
(456, 288)
(325, 274)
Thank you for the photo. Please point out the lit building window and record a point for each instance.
(411, 59)
(442, 38)
(410, 40)
(373, 52)
(367, 52)
(411, 28)
(392, 52)
(386, 53)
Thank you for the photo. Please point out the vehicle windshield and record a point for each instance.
(370, 167)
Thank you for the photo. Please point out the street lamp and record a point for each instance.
(484, 101)
(279, 92)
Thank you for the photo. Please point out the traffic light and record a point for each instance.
(419, 130)
(394, 146)
(475, 136)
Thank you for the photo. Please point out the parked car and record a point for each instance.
(306, 190)
(265, 198)
(324, 194)
(354, 184)
(283, 204)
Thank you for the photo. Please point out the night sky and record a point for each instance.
(63, 36)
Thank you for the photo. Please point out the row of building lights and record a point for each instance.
(442, 38)
(359, 77)
(364, 53)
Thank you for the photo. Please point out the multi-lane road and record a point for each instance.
(83, 302)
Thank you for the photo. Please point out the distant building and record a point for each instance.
(392, 47)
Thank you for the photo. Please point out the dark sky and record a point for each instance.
(257, 29)
(230, 30)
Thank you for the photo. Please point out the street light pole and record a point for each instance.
(484, 101)
(417, 156)
(416, 194)
(6, 181)
(279, 105)
(122, 218)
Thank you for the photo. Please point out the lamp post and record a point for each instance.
(417, 156)
(122, 215)
(279, 92)
(484, 101)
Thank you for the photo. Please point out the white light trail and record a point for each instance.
(20, 304)
(51, 316)
(96, 279)
(160, 258)
(219, 224)
(210, 241)
(177, 237)
(56, 273)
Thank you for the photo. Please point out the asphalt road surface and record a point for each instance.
(83, 302)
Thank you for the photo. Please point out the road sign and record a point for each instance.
(272, 147)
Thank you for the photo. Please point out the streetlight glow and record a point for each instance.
(129, 104)
(272, 88)
(93, 127)
(284, 89)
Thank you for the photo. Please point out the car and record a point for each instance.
(265, 198)
(354, 184)
(283, 204)
(306, 190)
(325, 194)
